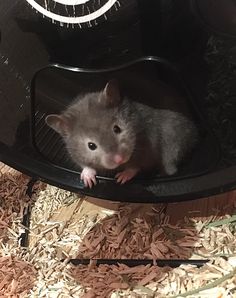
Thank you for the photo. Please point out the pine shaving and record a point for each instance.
(65, 226)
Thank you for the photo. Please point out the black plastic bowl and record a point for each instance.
(56, 86)
(52, 90)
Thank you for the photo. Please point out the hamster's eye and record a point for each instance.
(92, 146)
(116, 129)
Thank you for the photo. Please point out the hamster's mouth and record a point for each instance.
(110, 165)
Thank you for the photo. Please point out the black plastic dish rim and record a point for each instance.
(202, 186)
(205, 25)
(106, 70)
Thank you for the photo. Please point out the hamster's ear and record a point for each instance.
(111, 94)
(59, 123)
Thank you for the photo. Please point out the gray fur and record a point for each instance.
(150, 138)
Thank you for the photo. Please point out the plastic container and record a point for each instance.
(40, 60)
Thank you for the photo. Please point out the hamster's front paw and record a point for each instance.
(88, 176)
(126, 175)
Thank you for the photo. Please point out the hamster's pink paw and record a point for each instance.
(126, 175)
(88, 176)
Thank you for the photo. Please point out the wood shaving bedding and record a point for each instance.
(129, 234)
(144, 238)
(64, 226)
(16, 277)
(152, 281)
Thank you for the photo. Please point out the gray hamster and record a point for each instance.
(107, 131)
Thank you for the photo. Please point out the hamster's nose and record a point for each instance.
(118, 159)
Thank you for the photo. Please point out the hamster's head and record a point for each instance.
(98, 129)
